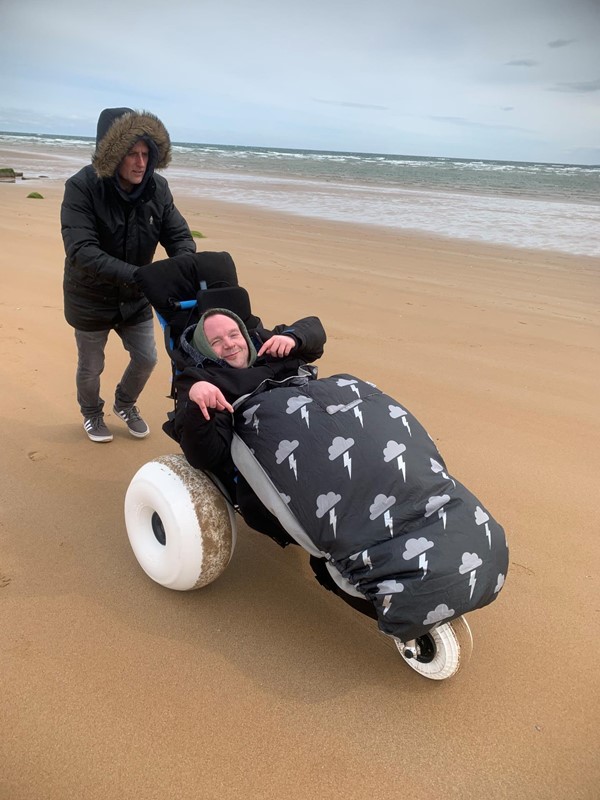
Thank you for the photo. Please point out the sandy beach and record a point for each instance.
(263, 685)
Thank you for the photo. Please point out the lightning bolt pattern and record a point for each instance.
(333, 521)
(348, 462)
(293, 465)
(402, 467)
(377, 501)
(389, 522)
(472, 582)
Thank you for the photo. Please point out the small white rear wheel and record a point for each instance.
(440, 653)
(180, 526)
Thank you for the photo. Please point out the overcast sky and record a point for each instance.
(515, 80)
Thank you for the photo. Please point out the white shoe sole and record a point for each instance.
(138, 435)
(133, 433)
(100, 439)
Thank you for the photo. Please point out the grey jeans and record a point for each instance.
(138, 340)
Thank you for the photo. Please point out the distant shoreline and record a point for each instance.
(275, 149)
(451, 204)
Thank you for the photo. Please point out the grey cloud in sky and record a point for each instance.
(347, 104)
(522, 62)
(579, 87)
(560, 42)
(467, 123)
(315, 75)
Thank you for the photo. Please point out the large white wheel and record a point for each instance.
(180, 527)
(441, 652)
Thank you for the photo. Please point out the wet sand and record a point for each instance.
(263, 685)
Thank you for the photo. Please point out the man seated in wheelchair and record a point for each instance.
(228, 362)
(354, 472)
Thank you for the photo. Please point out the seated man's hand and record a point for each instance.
(206, 396)
(278, 346)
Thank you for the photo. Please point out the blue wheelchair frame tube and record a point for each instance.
(180, 304)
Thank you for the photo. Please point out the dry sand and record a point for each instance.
(263, 685)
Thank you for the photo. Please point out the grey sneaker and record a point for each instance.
(96, 429)
(131, 416)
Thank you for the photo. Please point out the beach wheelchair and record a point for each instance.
(181, 522)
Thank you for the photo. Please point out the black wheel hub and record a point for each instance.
(158, 529)
(425, 649)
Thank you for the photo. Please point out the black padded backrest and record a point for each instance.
(179, 278)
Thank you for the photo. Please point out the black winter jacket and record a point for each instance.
(206, 444)
(107, 235)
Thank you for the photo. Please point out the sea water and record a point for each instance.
(520, 204)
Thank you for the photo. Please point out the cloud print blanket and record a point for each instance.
(358, 480)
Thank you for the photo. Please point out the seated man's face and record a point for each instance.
(224, 336)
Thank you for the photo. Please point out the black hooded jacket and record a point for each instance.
(206, 444)
(108, 234)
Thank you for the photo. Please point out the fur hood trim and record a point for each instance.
(124, 132)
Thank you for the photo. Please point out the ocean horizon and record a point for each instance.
(539, 205)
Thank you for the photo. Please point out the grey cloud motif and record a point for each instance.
(397, 412)
(436, 467)
(341, 407)
(435, 503)
(295, 403)
(249, 413)
(325, 502)
(380, 505)
(339, 446)
(366, 558)
(438, 614)
(285, 449)
(390, 586)
(470, 561)
(285, 497)
(393, 450)
(499, 583)
(345, 382)
(414, 547)
(480, 516)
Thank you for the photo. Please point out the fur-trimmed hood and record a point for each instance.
(118, 130)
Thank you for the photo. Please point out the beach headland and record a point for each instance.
(263, 685)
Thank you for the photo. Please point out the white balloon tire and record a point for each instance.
(453, 645)
(198, 522)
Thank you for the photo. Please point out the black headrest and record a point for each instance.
(180, 277)
(233, 298)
